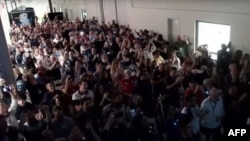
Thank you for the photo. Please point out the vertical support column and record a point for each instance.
(116, 12)
(6, 66)
(102, 10)
(50, 6)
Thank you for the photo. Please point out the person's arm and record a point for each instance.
(53, 65)
(170, 86)
(66, 85)
(104, 99)
(109, 121)
(118, 57)
(163, 50)
(47, 114)
(13, 94)
(94, 134)
(203, 110)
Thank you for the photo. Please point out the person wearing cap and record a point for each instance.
(212, 115)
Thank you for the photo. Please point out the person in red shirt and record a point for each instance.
(127, 83)
(194, 89)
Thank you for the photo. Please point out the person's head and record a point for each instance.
(174, 55)
(104, 58)
(106, 74)
(71, 54)
(41, 52)
(66, 54)
(223, 47)
(50, 87)
(77, 105)
(93, 50)
(3, 109)
(245, 59)
(214, 94)
(173, 72)
(124, 52)
(237, 55)
(30, 118)
(127, 74)
(21, 99)
(137, 100)
(99, 67)
(117, 100)
(98, 89)
(192, 83)
(83, 85)
(58, 113)
(86, 104)
(2, 82)
(233, 68)
(114, 64)
(207, 83)
(117, 39)
(156, 54)
(191, 100)
(58, 100)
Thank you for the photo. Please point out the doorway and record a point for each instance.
(213, 35)
(173, 29)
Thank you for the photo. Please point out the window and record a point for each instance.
(213, 35)
(84, 13)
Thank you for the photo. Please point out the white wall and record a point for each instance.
(153, 14)
(73, 7)
(109, 7)
(93, 9)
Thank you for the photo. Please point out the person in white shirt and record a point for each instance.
(83, 92)
(213, 113)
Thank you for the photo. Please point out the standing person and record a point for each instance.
(213, 113)
(157, 81)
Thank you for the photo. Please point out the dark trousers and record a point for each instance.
(214, 132)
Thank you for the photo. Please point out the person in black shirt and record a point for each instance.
(172, 85)
(70, 64)
(93, 59)
(22, 106)
(157, 81)
(7, 133)
(49, 96)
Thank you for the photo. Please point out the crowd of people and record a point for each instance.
(91, 81)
